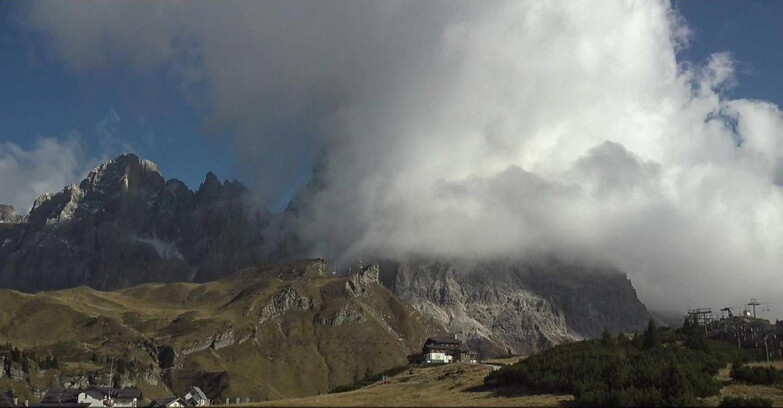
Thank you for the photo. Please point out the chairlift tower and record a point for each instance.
(753, 303)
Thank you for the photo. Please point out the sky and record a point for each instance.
(643, 133)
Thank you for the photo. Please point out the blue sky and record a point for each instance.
(42, 98)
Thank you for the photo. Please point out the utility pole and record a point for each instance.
(753, 303)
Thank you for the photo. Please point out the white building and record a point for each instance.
(95, 396)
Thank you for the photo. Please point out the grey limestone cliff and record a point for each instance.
(507, 306)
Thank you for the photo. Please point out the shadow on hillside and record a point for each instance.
(501, 391)
(514, 392)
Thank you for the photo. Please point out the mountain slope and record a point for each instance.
(264, 333)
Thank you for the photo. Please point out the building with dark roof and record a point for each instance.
(196, 398)
(56, 398)
(443, 350)
(126, 397)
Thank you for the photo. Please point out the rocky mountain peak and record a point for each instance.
(211, 183)
(127, 172)
(125, 224)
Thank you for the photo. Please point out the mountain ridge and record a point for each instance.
(124, 224)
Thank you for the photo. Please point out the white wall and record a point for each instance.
(84, 398)
(437, 357)
(125, 403)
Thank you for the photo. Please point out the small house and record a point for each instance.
(196, 398)
(94, 396)
(127, 398)
(443, 350)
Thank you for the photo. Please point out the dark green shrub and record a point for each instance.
(756, 375)
(653, 369)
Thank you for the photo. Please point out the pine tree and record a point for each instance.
(652, 337)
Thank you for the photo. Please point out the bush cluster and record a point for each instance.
(24, 358)
(755, 375)
(655, 368)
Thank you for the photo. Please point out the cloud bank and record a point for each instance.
(475, 128)
(52, 162)
(26, 174)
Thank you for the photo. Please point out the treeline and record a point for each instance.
(654, 368)
(24, 358)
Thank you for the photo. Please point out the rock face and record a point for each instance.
(519, 307)
(125, 224)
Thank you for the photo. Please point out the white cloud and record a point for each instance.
(478, 128)
(46, 167)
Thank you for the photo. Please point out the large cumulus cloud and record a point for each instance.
(475, 128)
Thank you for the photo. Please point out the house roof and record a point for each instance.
(439, 347)
(196, 391)
(442, 340)
(127, 393)
(53, 396)
(98, 392)
(164, 402)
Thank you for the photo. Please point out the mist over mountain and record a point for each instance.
(125, 225)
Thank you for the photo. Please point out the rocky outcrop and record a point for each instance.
(15, 372)
(76, 382)
(150, 376)
(223, 340)
(289, 299)
(519, 307)
(361, 283)
(125, 224)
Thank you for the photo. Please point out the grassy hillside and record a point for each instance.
(264, 333)
(459, 384)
